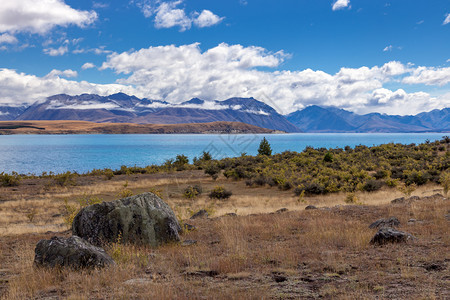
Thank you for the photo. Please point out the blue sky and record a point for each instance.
(385, 56)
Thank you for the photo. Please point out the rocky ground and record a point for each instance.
(290, 254)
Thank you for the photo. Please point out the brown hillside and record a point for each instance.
(83, 127)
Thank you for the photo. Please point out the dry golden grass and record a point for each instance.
(320, 253)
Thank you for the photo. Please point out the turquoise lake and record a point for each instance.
(81, 153)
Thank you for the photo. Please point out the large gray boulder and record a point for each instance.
(388, 235)
(73, 252)
(391, 222)
(142, 219)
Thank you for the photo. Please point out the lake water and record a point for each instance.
(59, 153)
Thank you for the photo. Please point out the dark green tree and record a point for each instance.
(264, 148)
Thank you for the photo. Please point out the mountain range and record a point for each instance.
(122, 108)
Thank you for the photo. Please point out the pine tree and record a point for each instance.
(264, 148)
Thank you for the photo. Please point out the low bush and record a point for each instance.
(12, 179)
(192, 191)
(219, 192)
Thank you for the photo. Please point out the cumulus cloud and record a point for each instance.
(7, 39)
(178, 73)
(66, 73)
(446, 20)
(175, 74)
(341, 4)
(20, 88)
(56, 51)
(41, 16)
(429, 76)
(87, 65)
(207, 19)
(167, 14)
(387, 48)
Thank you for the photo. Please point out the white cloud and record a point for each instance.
(429, 76)
(387, 48)
(7, 39)
(207, 19)
(40, 16)
(178, 73)
(100, 50)
(447, 20)
(56, 51)
(341, 4)
(19, 88)
(167, 14)
(66, 73)
(87, 65)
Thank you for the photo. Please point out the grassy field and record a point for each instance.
(256, 254)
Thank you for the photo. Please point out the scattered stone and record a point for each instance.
(435, 266)
(447, 217)
(282, 210)
(142, 219)
(189, 227)
(390, 235)
(203, 273)
(188, 243)
(310, 207)
(201, 214)
(230, 215)
(412, 221)
(391, 222)
(279, 277)
(398, 200)
(72, 252)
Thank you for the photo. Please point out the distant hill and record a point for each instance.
(331, 119)
(121, 108)
(83, 127)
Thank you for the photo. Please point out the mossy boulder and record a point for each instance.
(143, 219)
(72, 252)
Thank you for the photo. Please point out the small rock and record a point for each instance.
(309, 207)
(391, 222)
(72, 252)
(412, 221)
(436, 266)
(230, 215)
(189, 227)
(282, 210)
(390, 235)
(279, 277)
(188, 243)
(398, 200)
(200, 214)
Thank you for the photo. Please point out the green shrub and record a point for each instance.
(192, 191)
(12, 179)
(180, 162)
(328, 157)
(65, 179)
(372, 185)
(219, 192)
(213, 170)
